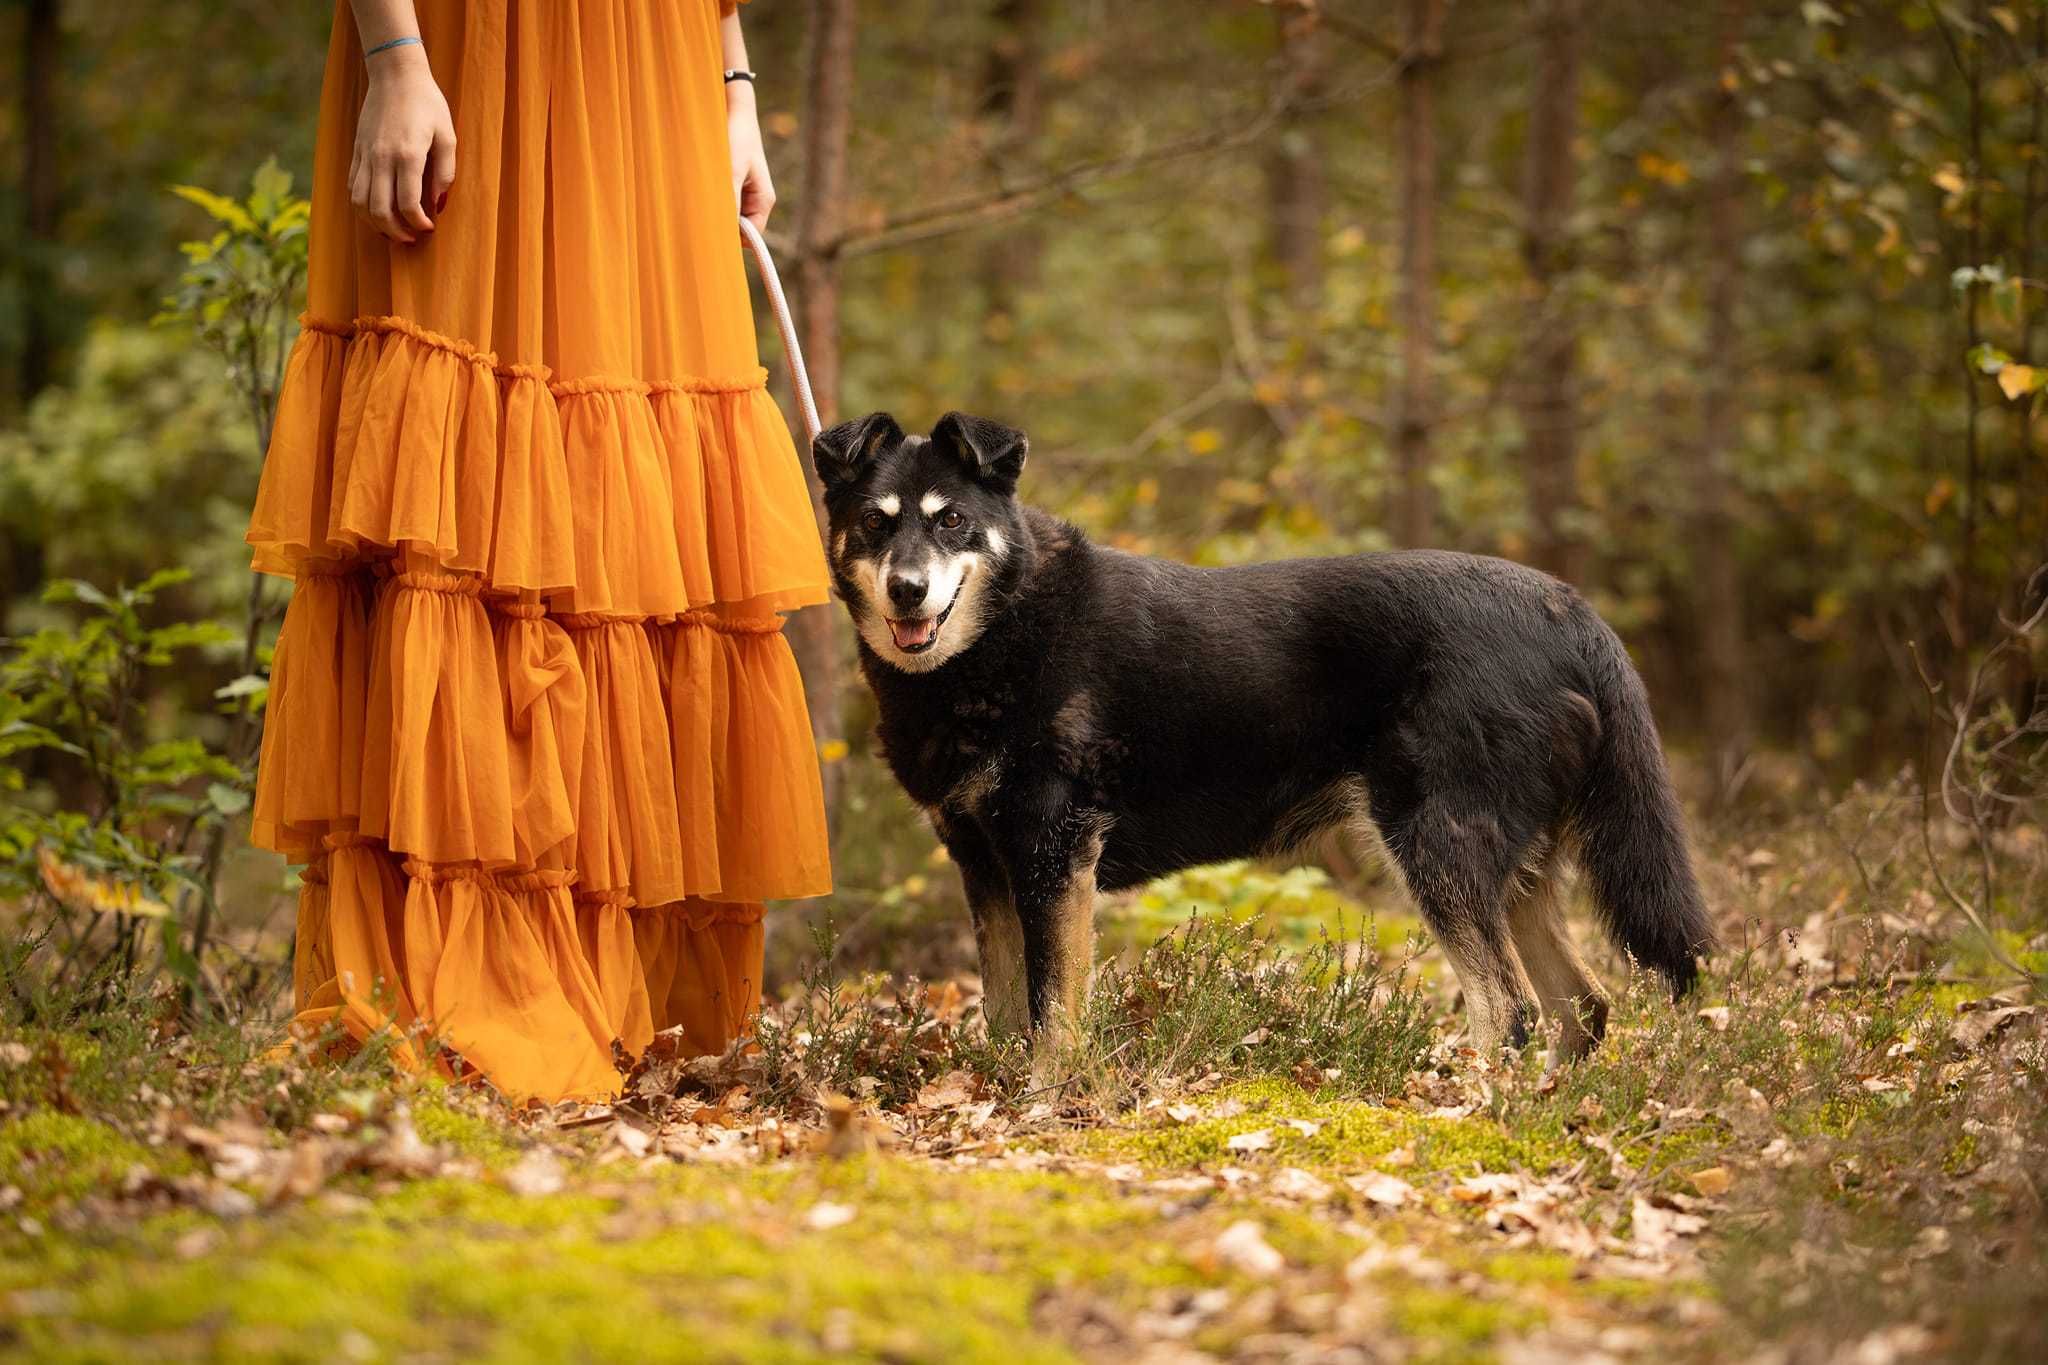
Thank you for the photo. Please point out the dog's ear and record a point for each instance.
(839, 454)
(992, 452)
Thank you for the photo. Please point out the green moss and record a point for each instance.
(1622, 1290)
(1447, 1325)
(53, 1157)
(437, 1121)
(1529, 1267)
(934, 1265)
(1349, 1134)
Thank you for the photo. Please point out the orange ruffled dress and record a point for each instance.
(533, 723)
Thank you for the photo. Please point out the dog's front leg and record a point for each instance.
(1050, 853)
(998, 935)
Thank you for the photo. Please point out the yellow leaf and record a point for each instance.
(2007, 20)
(218, 206)
(832, 751)
(1664, 169)
(81, 890)
(1205, 440)
(1950, 179)
(1938, 496)
(1146, 493)
(1713, 1181)
(915, 885)
(2017, 381)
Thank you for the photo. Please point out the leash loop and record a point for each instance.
(799, 377)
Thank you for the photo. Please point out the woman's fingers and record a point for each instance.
(407, 180)
(382, 191)
(757, 197)
(440, 168)
(358, 183)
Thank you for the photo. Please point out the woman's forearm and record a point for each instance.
(753, 190)
(379, 21)
(731, 42)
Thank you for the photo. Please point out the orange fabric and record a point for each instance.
(532, 717)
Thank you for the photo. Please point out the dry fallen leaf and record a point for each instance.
(1657, 1228)
(535, 1175)
(634, 1141)
(1385, 1191)
(1291, 1182)
(1977, 1027)
(1487, 1187)
(953, 1088)
(1243, 1247)
(1258, 1140)
(1713, 1182)
(304, 1171)
(826, 1215)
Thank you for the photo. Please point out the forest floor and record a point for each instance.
(1267, 1144)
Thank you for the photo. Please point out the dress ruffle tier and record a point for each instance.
(532, 719)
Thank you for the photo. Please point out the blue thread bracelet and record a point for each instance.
(386, 47)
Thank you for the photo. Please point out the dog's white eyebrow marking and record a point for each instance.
(889, 503)
(932, 503)
(995, 541)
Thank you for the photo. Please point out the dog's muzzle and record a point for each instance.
(917, 635)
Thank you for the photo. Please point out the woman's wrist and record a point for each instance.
(739, 95)
(395, 63)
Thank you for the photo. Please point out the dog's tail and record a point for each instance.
(1631, 838)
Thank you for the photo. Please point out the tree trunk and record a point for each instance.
(1414, 510)
(1724, 669)
(1549, 404)
(828, 104)
(1012, 108)
(39, 58)
(1297, 189)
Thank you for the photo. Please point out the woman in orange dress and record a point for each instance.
(533, 725)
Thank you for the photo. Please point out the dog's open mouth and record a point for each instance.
(915, 637)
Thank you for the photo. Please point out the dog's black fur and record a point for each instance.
(1103, 718)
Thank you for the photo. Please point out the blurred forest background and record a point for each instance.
(1728, 312)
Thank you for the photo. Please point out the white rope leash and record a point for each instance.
(799, 377)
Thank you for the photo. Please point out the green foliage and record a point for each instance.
(1296, 905)
(125, 846)
(141, 458)
(241, 286)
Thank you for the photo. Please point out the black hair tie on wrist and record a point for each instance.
(732, 76)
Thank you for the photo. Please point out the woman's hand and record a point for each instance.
(751, 187)
(405, 146)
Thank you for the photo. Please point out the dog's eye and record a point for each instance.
(951, 520)
(874, 521)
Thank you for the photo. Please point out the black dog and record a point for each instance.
(1075, 718)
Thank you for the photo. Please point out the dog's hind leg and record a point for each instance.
(1458, 863)
(1543, 939)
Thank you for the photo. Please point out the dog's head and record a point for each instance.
(922, 530)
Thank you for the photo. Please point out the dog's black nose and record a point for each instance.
(905, 590)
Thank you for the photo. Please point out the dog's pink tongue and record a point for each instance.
(911, 634)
